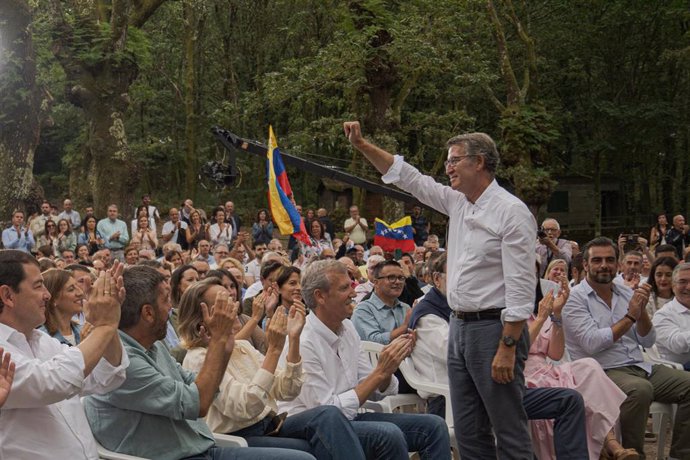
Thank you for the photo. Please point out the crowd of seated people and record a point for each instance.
(203, 327)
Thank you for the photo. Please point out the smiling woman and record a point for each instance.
(66, 300)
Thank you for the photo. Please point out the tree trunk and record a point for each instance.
(190, 43)
(20, 101)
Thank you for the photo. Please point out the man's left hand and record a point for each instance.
(503, 365)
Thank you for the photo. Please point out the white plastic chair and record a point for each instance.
(391, 403)
(418, 383)
(662, 413)
(222, 440)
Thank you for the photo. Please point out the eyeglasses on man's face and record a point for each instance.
(392, 278)
(454, 161)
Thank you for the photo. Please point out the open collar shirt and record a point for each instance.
(333, 365)
(107, 227)
(672, 324)
(374, 320)
(155, 413)
(587, 322)
(43, 417)
(491, 243)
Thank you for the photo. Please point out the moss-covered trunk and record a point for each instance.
(20, 102)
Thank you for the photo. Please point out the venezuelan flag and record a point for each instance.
(397, 235)
(280, 199)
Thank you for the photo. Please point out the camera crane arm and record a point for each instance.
(232, 141)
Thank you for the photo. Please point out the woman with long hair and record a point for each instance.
(319, 240)
(66, 300)
(657, 234)
(246, 404)
(196, 230)
(66, 238)
(660, 281)
(221, 231)
(250, 329)
(143, 211)
(262, 229)
(91, 236)
(145, 237)
(50, 237)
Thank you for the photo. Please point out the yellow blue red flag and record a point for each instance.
(397, 235)
(280, 200)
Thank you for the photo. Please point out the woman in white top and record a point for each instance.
(660, 281)
(246, 404)
(144, 236)
(221, 231)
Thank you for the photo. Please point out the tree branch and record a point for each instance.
(512, 87)
(142, 11)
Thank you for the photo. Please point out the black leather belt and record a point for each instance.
(492, 313)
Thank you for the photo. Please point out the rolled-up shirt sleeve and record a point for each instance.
(105, 377)
(518, 257)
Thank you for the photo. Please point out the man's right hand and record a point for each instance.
(353, 132)
(103, 307)
(392, 354)
(639, 300)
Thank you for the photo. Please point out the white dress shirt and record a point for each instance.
(491, 244)
(333, 366)
(672, 324)
(428, 355)
(43, 417)
(587, 322)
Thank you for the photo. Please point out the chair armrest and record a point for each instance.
(228, 440)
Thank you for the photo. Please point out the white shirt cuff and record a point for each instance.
(393, 173)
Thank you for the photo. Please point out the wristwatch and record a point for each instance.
(508, 341)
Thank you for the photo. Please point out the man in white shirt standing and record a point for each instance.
(356, 226)
(43, 417)
(174, 230)
(70, 214)
(491, 288)
(338, 373)
(672, 321)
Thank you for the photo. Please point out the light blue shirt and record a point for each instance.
(587, 322)
(374, 320)
(23, 242)
(107, 227)
(154, 414)
(73, 217)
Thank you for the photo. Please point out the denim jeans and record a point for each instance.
(322, 431)
(251, 453)
(392, 436)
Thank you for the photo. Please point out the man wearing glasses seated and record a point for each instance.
(382, 317)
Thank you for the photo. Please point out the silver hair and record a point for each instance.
(315, 276)
(679, 268)
(551, 219)
(478, 144)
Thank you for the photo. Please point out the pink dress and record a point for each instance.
(602, 397)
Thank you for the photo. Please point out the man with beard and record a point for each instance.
(156, 412)
(608, 322)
